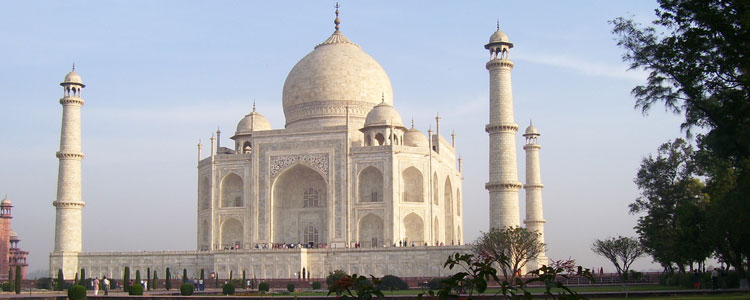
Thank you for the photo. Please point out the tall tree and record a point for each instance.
(148, 279)
(18, 280)
(168, 277)
(138, 277)
(184, 276)
(696, 57)
(672, 229)
(60, 280)
(621, 251)
(126, 279)
(155, 281)
(509, 249)
(83, 278)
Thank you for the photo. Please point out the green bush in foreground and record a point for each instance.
(264, 287)
(186, 289)
(316, 285)
(290, 287)
(392, 283)
(228, 289)
(77, 292)
(7, 287)
(135, 290)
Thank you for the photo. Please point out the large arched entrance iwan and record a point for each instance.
(300, 198)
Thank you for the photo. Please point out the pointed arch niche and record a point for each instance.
(448, 200)
(414, 229)
(205, 194)
(412, 182)
(370, 232)
(231, 191)
(300, 198)
(370, 185)
(231, 234)
(205, 239)
(435, 189)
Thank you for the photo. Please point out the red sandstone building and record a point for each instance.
(10, 255)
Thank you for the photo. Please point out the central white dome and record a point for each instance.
(335, 75)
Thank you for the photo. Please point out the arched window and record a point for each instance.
(435, 189)
(458, 202)
(231, 191)
(311, 197)
(246, 147)
(412, 180)
(370, 185)
(379, 137)
(448, 204)
(311, 234)
(414, 229)
(205, 199)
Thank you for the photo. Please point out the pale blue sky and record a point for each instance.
(162, 74)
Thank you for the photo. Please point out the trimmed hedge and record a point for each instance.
(7, 287)
(228, 289)
(392, 283)
(77, 292)
(186, 289)
(290, 287)
(264, 287)
(135, 290)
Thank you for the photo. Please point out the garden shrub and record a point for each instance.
(135, 290)
(316, 285)
(392, 283)
(7, 287)
(77, 292)
(44, 283)
(334, 277)
(435, 283)
(186, 289)
(228, 289)
(290, 287)
(264, 287)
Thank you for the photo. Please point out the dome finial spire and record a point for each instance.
(253, 105)
(74, 66)
(498, 24)
(337, 21)
(382, 97)
(412, 122)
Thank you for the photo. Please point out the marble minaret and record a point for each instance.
(69, 204)
(534, 215)
(503, 184)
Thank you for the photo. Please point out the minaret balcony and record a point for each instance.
(501, 127)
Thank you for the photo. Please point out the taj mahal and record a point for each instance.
(346, 184)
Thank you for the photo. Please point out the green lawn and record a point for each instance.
(539, 290)
(701, 297)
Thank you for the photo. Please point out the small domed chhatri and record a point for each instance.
(252, 122)
(415, 138)
(5, 201)
(383, 115)
(531, 130)
(73, 77)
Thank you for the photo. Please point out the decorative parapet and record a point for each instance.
(499, 63)
(501, 127)
(502, 186)
(533, 186)
(69, 155)
(61, 204)
(71, 100)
